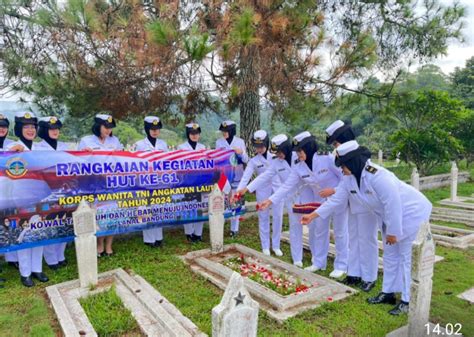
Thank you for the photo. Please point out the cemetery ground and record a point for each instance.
(27, 312)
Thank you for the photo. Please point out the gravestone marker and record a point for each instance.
(454, 182)
(237, 314)
(86, 244)
(216, 219)
(415, 179)
(380, 159)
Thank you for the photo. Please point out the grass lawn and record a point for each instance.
(26, 312)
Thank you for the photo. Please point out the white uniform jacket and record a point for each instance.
(111, 143)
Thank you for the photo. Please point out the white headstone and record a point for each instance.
(380, 157)
(216, 219)
(86, 244)
(237, 314)
(423, 259)
(454, 182)
(415, 179)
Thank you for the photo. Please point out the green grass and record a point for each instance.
(108, 315)
(435, 195)
(452, 224)
(404, 170)
(26, 312)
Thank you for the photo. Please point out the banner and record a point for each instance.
(130, 191)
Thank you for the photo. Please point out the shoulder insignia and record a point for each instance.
(370, 169)
(275, 157)
(297, 161)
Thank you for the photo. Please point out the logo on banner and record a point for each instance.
(16, 168)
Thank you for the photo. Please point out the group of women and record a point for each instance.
(358, 197)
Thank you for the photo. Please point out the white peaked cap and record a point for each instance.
(347, 147)
(25, 114)
(278, 139)
(334, 126)
(192, 125)
(48, 119)
(228, 122)
(104, 117)
(300, 136)
(151, 119)
(260, 134)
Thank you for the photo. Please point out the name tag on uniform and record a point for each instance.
(282, 169)
(354, 192)
(322, 171)
(260, 166)
(368, 192)
(306, 176)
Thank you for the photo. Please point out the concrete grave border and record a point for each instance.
(153, 313)
(277, 306)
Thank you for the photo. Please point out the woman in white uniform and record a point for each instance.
(363, 225)
(152, 237)
(48, 131)
(317, 170)
(258, 165)
(279, 170)
(29, 259)
(102, 139)
(193, 231)
(402, 209)
(230, 141)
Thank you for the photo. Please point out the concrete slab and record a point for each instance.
(468, 295)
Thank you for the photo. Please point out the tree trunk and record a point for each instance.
(249, 103)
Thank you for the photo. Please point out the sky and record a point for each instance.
(457, 52)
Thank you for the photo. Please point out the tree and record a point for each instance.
(463, 83)
(464, 132)
(425, 122)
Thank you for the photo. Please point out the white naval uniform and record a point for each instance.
(93, 142)
(196, 227)
(258, 165)
(30, 260)
(279, 168)
(53, 254)
(402, 209)
(324, 174)
(153, 234)
(238, 143)
(10, 256)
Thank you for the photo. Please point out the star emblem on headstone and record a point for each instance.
(239, 299)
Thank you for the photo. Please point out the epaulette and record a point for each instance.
(274, 157)
(323, 153)
(297, 161)
(370, 169)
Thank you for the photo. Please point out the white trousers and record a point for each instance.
(11, 256)
(30, 260)
(152, 235)
(53, 254)
(363, 246)
(319, 241)
(194, 228)
(264, 221)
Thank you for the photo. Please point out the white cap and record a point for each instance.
(49, 119)
(347, 147)
(260, 134)
(300, 136)
(152, 119)
(25, 114)
(334, 126)
(192, 125)
(104, 117)
(228, 123)
(278, 139)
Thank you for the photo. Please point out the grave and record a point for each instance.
(452, 237)
(453, 215)
(153, 313)
(468, 295)
(460, 202)
(313, 289)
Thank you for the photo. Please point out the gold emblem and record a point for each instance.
(195, 126)
(110, 119)
(224, 124)
(258, 141)
(295, 142)
(274, 147)
(53, 120)
(27, 115)
(155, 122)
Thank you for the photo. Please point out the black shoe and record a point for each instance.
(108, 254)
(367, 286)
(189, 238)
(27, 281)
(150, 244)
(197, 238)
(14, 264)
(158, 244)
(53, 266)
(62, 263)
(400, 308)
(40, 277)
(351, 280)
(233, 234)
(101, 254)
(382, 297)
